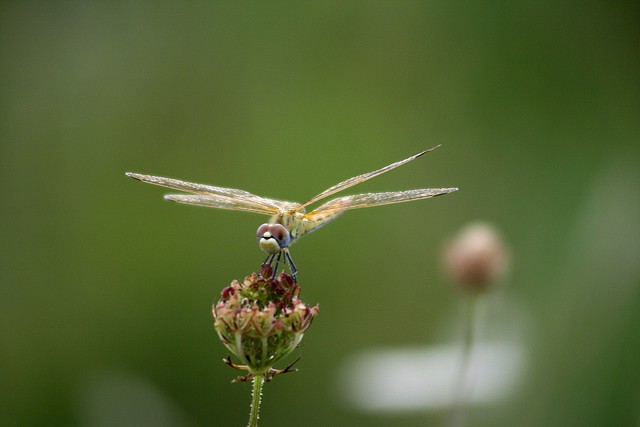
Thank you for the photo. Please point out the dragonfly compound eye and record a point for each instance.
(272, 238)
(261, 230)
(280, 233)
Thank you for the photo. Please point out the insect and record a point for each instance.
(289, 221)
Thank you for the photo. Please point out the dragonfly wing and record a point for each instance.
(362, 178)
(223, 202)
(189, 187)
(333, 208)
(281, 204)
(218, 197)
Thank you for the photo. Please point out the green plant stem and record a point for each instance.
(256, 397)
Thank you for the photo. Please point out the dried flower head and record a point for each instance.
(476, 258)
(261, 321)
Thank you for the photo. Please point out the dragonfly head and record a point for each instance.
(272, 238)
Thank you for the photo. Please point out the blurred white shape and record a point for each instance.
(115, 398)
(414, 379)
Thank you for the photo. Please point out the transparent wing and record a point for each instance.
(223, 202)
(335, 207)
(216, 197)
(362, 178)
(189, 187)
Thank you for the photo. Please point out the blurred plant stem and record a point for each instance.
(476, 261)
(256, 397)
(463, 385)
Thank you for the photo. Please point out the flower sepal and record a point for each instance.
(268, 375)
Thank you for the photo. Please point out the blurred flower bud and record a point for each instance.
(261, 321)
(476, 259)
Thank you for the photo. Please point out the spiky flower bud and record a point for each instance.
(261, 321)
(476, 258)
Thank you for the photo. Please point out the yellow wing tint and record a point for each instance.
(333, 208)
(216, 197)
(362, 178)
(223, 202)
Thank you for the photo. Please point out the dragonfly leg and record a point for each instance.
(275, 268)
(274, 262)
(269, 259)
(292, 265)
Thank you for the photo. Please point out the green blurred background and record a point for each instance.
(106, 289)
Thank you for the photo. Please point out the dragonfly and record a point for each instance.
(289, 220)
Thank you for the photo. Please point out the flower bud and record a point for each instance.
(261, 321)
(476, 258)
